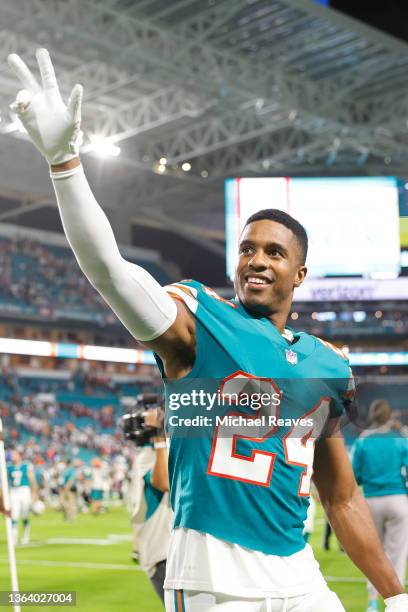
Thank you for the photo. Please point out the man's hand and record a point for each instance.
(55, 129)
(154, 417)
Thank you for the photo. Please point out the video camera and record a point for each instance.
(134, 427)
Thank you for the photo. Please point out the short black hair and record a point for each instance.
(279, 216)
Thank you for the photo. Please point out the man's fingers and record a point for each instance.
(49, 80)
(23, 73)
(75, 102)
(22, 101)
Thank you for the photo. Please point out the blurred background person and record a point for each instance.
(68, 492)
(97, 485)
(380, 462)
(23, 491)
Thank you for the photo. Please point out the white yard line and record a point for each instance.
(345, 579)
(131, 568)
(80, 564)
(108, 541)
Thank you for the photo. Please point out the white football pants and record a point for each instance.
(20, 498)
(322, 600)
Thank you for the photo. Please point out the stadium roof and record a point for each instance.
(233, 87)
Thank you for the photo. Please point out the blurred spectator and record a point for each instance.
(380, 463)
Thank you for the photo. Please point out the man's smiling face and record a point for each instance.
(270, 266)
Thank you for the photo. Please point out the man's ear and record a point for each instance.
(300, 276)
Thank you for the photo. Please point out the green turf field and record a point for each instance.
(97, 565)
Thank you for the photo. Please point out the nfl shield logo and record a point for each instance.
(291, 357)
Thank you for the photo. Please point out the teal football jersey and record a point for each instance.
(242, 472)
(380, 463)
(18, 475)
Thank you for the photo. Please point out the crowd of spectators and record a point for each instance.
(47, 281)
(344, 322)
(62, 429)
(35, 408)
(44, 277)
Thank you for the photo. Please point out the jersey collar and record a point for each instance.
(288, 334)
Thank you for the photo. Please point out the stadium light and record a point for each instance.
(163, 161)
(186, 167)
(103, 147)
(359, 316)
(37, 348)
(325, 316)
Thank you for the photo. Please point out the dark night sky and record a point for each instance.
(388, 15)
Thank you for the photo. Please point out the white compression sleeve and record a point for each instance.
(137, 299)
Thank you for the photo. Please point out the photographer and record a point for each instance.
(151, 512)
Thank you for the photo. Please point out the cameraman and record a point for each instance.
(152, 515)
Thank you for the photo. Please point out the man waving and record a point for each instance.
(239, 502)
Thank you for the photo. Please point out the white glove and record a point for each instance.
(53, 127)
(398, 603)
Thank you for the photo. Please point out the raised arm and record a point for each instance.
(350, 518)
(137, 299)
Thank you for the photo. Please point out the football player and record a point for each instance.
(239, 501)
(23, 490)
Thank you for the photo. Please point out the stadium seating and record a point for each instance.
(44, 281)
(77, 415)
